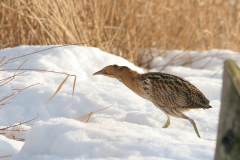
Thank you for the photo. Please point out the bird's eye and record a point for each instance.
(103, 71)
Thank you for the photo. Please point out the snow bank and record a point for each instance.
(81, 61)
(130, 129)
(107, 138)
(192, 63)
(9, 146)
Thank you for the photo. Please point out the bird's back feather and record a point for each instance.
(172, 91)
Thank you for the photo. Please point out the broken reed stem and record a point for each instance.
(14, 132)
(8, 79)
(40, 70)
(60, 86)
(12, 96)
(89, 115)
(26, 60)
(1, 129)
(37, 51)
(2, 59)
(74, 83)
(5, 156)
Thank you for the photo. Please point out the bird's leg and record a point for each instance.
(194, 126)
(168, 122)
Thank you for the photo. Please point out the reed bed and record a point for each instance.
(122, 27)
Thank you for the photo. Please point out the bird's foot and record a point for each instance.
(167, 123)
(194, 126)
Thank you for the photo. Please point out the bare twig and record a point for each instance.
(74, 83)
(5, 156)
(60, 86)
(20, 123)
(89, 115)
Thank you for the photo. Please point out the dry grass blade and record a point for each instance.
(17, 130)
(2, 59)
(14, 131)
(4, 98)
(15, 59)
(60, 86)
(27, 59)
(212, 57)
(8, 79)
(217, 72)
(29, 86)
(20, 123)
(18, 139)
(20, 57)
(9, 98)
(39, 70)
(6, 103)
(5, 156)
(82, 120)
(84, 117)
(102, 109)
(88, 115)
(74, 83)
(37, 51)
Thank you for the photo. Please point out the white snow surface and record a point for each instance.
(130, 129)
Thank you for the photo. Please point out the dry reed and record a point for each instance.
(87, 116)
(5, 101)
(161, 24)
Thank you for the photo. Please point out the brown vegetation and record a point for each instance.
(161, 24)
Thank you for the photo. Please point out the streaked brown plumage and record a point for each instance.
(171, 94)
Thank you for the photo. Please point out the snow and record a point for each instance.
(109, 138)
(130, 129)
(9, 146)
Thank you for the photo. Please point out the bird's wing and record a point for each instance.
(173, 91)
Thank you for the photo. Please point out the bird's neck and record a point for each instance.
(130, 79)
(127, 76)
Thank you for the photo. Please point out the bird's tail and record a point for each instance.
(207, 107)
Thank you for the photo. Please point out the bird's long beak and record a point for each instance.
(98, 73)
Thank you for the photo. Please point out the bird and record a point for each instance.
(171, 94)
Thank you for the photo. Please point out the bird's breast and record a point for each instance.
(136, 86)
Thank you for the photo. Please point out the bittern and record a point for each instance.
(171, 94)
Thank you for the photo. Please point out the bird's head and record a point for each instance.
(112, 71)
